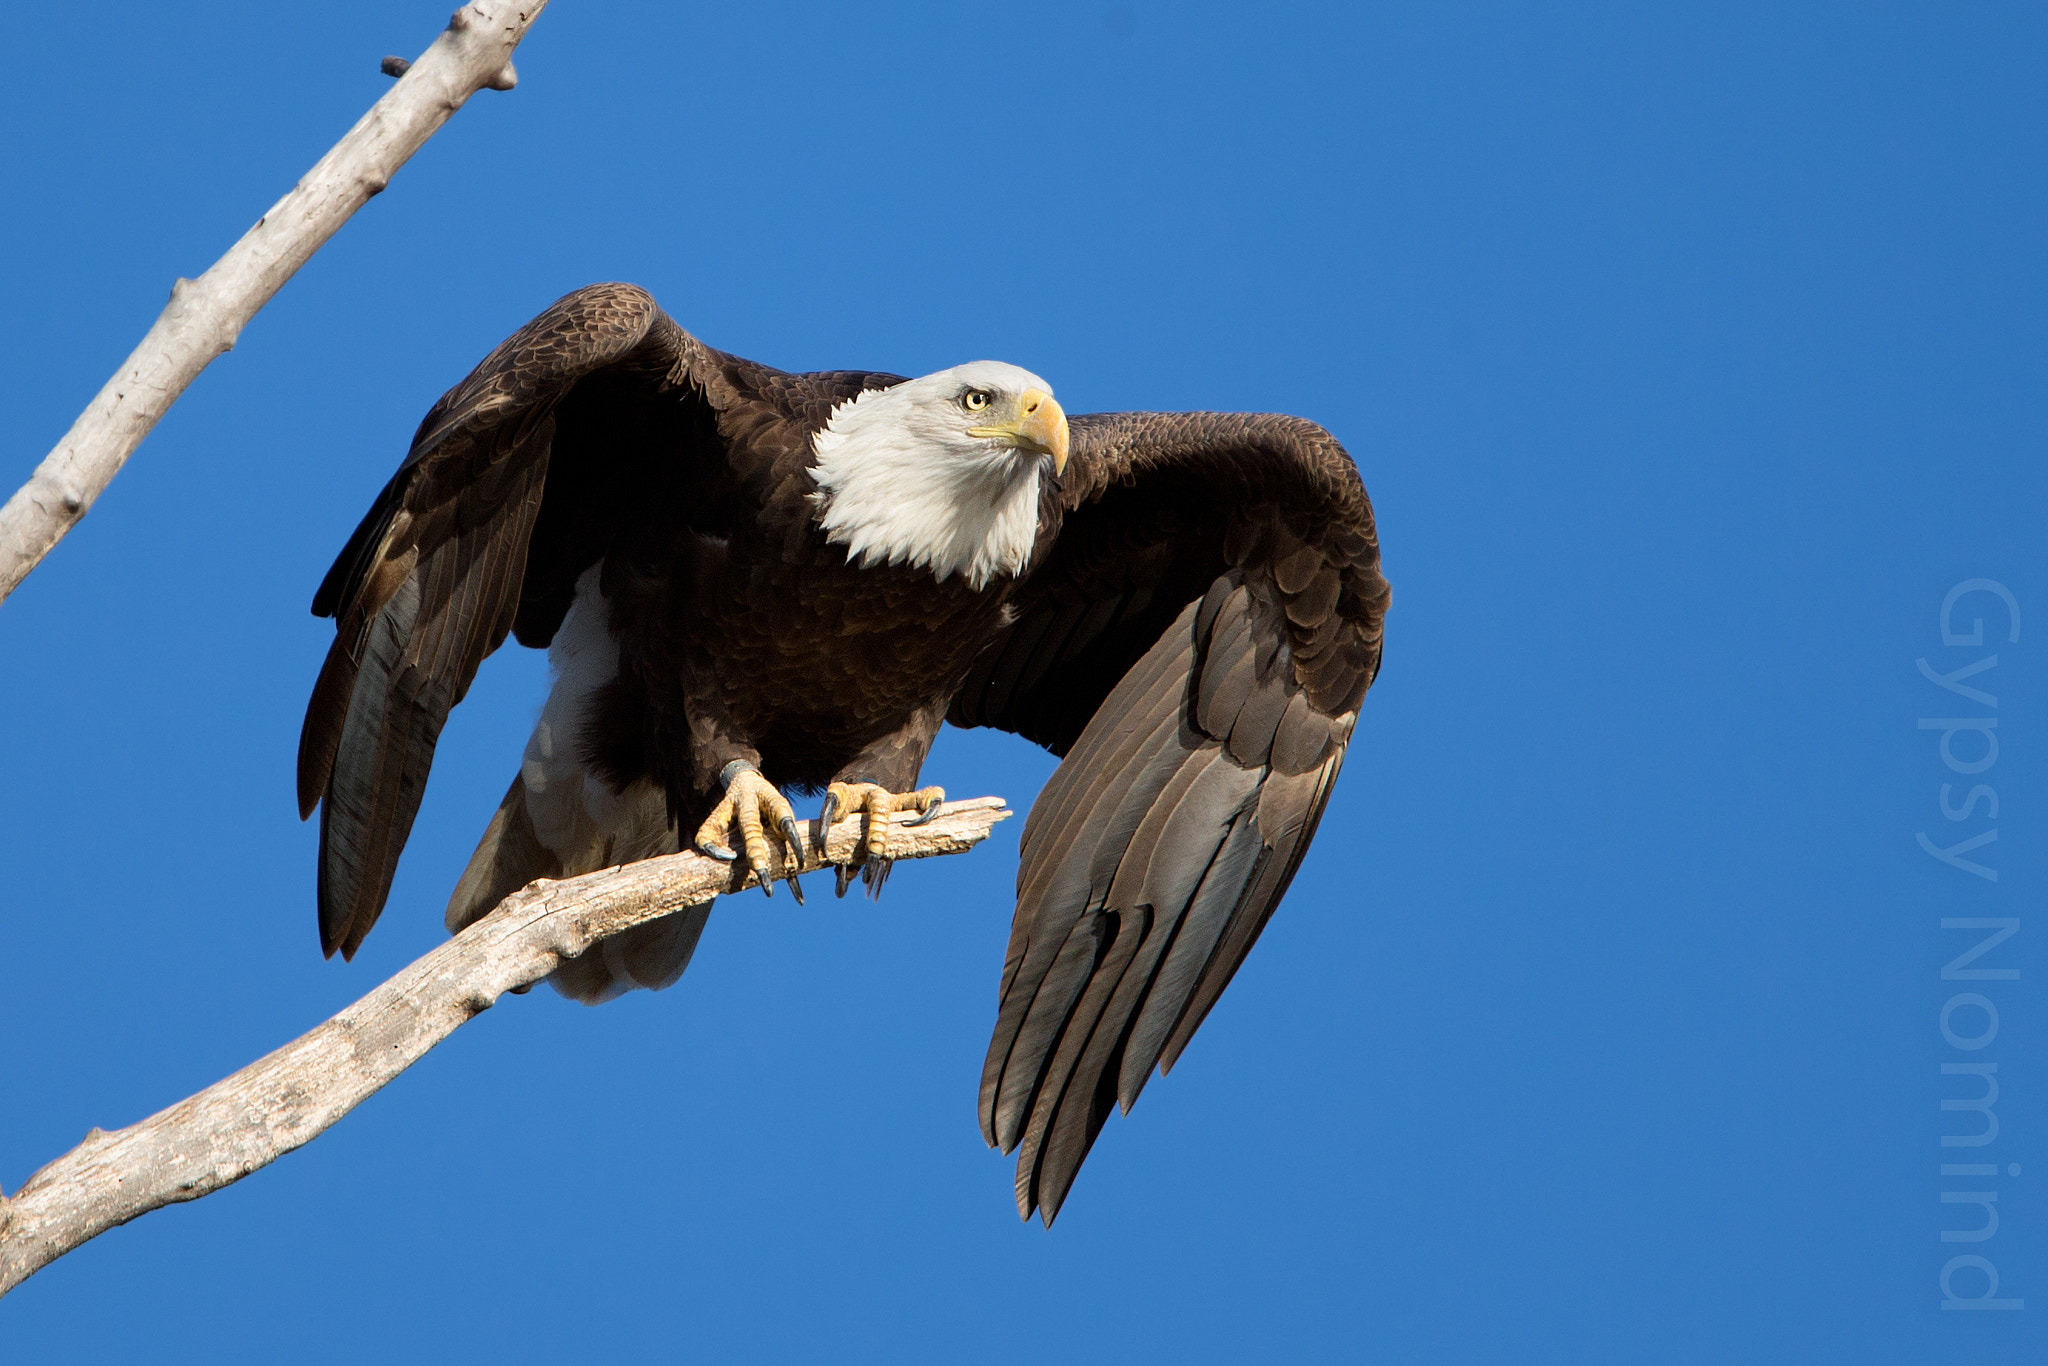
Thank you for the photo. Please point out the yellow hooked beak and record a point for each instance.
(1041, 426)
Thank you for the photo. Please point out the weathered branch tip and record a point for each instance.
(287, 1098)
(202, 320)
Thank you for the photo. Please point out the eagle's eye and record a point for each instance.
(975, 400)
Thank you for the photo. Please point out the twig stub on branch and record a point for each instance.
(206, 315)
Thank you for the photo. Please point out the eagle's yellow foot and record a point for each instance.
(752, 803)
(877, 803)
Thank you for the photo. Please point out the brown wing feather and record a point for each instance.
(1196, 646)
(516, 481)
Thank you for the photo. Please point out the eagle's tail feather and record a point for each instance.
(509, 856)
(512, 854)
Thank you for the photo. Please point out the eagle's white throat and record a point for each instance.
(900, 482)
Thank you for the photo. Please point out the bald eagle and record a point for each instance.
(750, 580)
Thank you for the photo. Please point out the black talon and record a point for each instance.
(929, 814)
(767, 885)
(845, 873)
(796, 855)
(717, 851)
(828, 813)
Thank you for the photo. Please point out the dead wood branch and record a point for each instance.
(205, 315)
(279, 1102)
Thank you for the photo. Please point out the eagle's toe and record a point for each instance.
(875, 804)
(753, 804)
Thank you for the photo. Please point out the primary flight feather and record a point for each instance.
(749, 580)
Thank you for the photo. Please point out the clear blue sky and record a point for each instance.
(1691, 355)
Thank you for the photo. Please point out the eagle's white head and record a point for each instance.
(941, 472)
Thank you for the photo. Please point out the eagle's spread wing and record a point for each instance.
(598, 421)
(1196, 646)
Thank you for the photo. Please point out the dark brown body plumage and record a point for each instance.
(1194, 632)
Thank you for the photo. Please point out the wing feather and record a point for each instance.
(1072, 866)
(437, 574)
(1126, 839)
(1223, 883)
(1195, 646)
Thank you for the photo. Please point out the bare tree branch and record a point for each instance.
(291, 1096)
(279, 1102)
(206, 315)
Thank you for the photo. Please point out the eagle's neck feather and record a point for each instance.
(896, 487)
